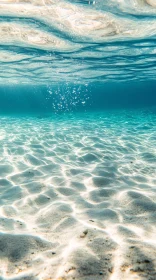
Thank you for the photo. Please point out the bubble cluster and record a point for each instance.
(68, 98)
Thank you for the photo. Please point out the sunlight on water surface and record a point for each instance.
(48, 41)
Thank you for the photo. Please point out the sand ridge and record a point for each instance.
(78, 197)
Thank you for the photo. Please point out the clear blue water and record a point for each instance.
(71, 98)
(77, 139)
(46, 42)
(73, 55)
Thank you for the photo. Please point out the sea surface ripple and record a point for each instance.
(48, 41)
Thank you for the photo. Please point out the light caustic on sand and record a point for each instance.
(77, 197)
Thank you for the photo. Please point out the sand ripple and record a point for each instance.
(78, 197)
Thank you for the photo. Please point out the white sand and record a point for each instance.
(78, 198)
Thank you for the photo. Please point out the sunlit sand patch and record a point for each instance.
(2, 135)
(74, 205)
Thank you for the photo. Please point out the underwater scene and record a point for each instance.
(77, 140)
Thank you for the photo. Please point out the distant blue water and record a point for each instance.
(77, 55)
(72, 98)
(77, 139)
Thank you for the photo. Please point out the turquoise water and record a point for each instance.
(46, 42)
(72, 98)
(77, 140)
(76, 55)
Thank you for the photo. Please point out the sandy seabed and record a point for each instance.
(78, 197)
